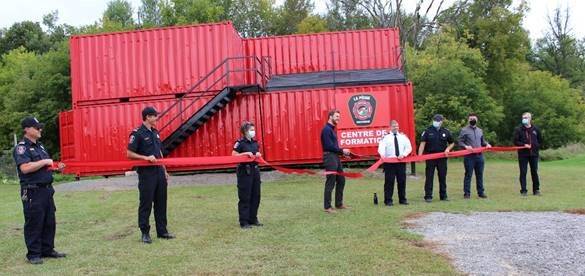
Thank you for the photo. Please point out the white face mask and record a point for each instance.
(437, 124)
(251, 134)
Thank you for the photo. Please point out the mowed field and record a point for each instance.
(98, 228)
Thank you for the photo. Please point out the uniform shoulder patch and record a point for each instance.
(20, 149)
(237, 144)
(132, 138)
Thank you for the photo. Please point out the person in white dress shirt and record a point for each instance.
(394, 145)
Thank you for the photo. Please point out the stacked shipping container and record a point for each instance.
(115, 75)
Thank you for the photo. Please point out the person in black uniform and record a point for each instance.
(248, 175)
(436, 139)
(529, 136)
(332, 163)
(145, 144)
(33, 164)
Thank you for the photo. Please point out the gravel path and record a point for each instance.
(508, 243)
(131, 182)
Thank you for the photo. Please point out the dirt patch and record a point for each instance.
(409, 220)
(576, 211)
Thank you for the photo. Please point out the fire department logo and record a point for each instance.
(363, 108)
(20, 149)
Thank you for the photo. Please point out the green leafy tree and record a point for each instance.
(180, 12)
(289, 15)
(346, 15)
(33, 84)
(26, 34)
(557, 109)
(149, 13)
(312, 24)
(119, 12)
(448, 79)
(252, 18)
(560, 53)
(493, 27)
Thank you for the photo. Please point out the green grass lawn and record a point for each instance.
(98, 229)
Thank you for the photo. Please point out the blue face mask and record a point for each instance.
(525, 122)
(437, 124)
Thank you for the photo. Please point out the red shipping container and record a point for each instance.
(119, 66)
(288, 124)
(347, 50)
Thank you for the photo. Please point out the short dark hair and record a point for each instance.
(471, 114)
(332, 112)
(245, 127)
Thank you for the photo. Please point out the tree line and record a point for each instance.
(472, 56)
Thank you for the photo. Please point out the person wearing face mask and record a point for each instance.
(471, 137)
(436, 139)
(332, 163)
(394, 145)
(530, 137)
(248, 175)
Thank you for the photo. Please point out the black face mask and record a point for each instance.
(472, 122)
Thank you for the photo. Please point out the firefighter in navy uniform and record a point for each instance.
(33, 164)
(248, 177)
(145, 144)
(436, 139)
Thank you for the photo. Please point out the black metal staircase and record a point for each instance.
(253, 75)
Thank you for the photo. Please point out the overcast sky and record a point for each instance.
(82, 12)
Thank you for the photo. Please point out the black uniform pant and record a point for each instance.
(394, 171)
(39, 220)
(152, 185)
(332, 163)
(248, 193)
(523, 163)
(441, 166)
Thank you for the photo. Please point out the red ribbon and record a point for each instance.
(234, 160)
(431, 156)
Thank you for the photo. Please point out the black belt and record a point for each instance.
(35, 186)
(251, 164)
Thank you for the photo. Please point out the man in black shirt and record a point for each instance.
(332, 163)
(33, 164)
(529, 136)
(145, 144)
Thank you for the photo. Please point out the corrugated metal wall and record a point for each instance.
(66, 131)
(288, 124)
(348, 50)
(150, 62)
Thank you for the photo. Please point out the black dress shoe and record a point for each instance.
(524, 194)
(444, 199)
(389, 204)
(146, 238)
(404, 203)
(537, 193)
(166, 236)
(428, 200)
(55, 254)
(482, 196)
(466, 196)
(246, 226)
(35, 260)
(257, 224)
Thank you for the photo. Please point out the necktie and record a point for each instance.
(396, 150)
